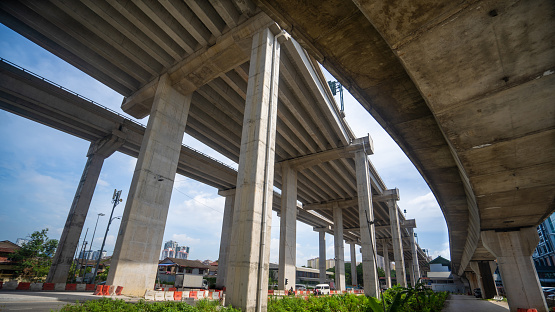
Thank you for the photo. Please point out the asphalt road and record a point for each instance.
(42, 301)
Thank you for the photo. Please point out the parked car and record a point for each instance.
(300, 287)
(322, 289)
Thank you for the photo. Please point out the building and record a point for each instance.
(315, 263)
(20, 241)
(173, 250)
(97, 253)
(439, 278)
(304, 276)
(168, 267)
(7, 267)
(544, 254)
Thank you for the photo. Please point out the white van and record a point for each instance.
(322, 289)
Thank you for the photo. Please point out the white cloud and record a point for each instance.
(184, 239)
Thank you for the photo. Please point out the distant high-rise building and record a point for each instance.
(96, 253)
(20, 241)
(171, 245)
(173, 250)
(315, 263)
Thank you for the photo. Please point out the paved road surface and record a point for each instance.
(465, 303)
(44, 301)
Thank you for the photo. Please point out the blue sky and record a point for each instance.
(40, 168)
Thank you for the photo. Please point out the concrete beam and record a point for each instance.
(202, 66)
(307, 161)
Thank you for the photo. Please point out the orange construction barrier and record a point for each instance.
(87, 288)
(526, 310)
(71, 286)
(1, 283)
(177, 295)
(193, 294)
(98, 291)
(270, 292)
(172, 289)
(119, 290)
(106, 290)
(23, 286)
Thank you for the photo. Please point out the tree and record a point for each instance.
(35, 257)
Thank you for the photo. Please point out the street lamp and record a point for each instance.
(92, 240)
(115, 200)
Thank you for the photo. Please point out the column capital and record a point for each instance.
(228, 192)
(388, 195)
(326, 228)
(109, 144)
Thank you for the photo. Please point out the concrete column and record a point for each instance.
(484, 277)
(513, 251)
(408, 268)
(472, 280)
(338, 248)
(135, 260)
(354, 281)
(387, 264)
(247, 277)
(367, 230)
(288, 229)
(397, 243)
(322, 257)
(476, 268)
(415, 270)
(63, 258)
(223, 259)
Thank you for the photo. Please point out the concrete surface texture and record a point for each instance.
(466, 90)
(464, 303)
(146, 208)
(247, 276)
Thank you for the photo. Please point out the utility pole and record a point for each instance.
(115, 200)
(89, 255)
(82, 248)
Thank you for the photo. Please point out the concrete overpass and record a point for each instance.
(446, 80)
(302, 125)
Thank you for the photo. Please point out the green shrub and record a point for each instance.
(107, 304)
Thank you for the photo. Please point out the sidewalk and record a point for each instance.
(464, 303)
(45, 300)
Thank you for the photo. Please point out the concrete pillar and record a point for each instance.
(387, 264)
(135, 260)
(247, 277)
(322, 257)
(367, 230)
(408, 268)
(354, 281)
(223, 259)
(63, 258)
(415, 270)
(513, 251)
(472, 280)
(288, 229)
(338, 248)
(397, 243)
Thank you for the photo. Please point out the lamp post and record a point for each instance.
(92, 240)
(115, 200)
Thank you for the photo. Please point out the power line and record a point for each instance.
(197, 200)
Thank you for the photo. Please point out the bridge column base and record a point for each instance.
(513, 251)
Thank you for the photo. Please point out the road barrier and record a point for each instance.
(168, 295)
(23, 286)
